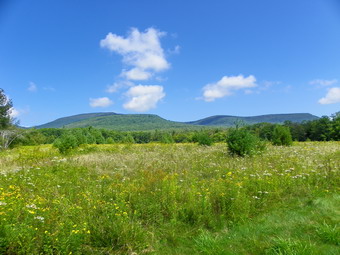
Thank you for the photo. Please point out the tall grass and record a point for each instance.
(165, 199)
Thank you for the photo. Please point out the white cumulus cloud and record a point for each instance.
(140, 50)
(100, 102)
(13, 113)
(323, 82)
(136, 74)
(32, 87)
(332, 96)
(226, 86)
(143, 97)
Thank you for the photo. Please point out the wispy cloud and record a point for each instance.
(113, 88)
(100, 102)
(140, 50)
(143, 97)
(50, 89)
(323, 83)
(332, 96)
(226, 86)
(32, 87)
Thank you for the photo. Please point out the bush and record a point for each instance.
(241, 142)
(166, 138)
(65, 143)
(203, 138)
(282, 136)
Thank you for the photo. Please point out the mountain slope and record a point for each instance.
(130, 122)
(226, 120)
(59, 123)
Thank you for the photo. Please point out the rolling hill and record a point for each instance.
(130, 122)
(226, 120)
(143, 122)
(63, 122)
(114, 121)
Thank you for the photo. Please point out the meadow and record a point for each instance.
(170, 199)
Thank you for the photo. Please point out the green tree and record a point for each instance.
(241, 142)
(282, 136)
(336, 126)
(8, 132)
(203, 138)
(321, 129)
(5, 108)
(128, 138)
(166, 138)
(66, 143)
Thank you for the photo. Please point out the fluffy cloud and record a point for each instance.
(141, 50)
(332, 96)
(143, 97)
(136, 74)
(226, 86)
(13, 113)
(323, 82)
(100, 102)
(32, 87)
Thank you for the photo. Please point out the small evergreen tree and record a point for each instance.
(66, 143)
(203, 138)
(5, 110)
(166, 138)
(128, 138)
(282, 136)
(241, 142)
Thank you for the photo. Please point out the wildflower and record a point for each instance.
(33, 206)
(39, 218)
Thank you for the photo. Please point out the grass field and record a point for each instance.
(170, 199)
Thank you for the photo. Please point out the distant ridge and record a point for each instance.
(227, 120)
(143, 122)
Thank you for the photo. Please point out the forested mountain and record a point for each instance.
(62, 122)
(143, 122)
(226, 120)
(129, 122)
(114, 121)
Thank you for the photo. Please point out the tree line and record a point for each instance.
(323, 129)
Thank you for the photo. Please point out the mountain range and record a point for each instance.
(142, 122)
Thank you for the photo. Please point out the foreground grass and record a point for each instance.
(170, 199)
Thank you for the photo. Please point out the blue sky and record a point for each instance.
(182, 60)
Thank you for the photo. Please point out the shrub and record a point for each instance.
(65, 143)
(166, 138)
(241, 142)
(282, 136)
(203, 138)
(128, 139)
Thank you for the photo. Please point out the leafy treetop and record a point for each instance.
(5, 108)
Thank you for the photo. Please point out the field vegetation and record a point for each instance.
(170, 199)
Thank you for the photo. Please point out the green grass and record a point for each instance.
(170, 199)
